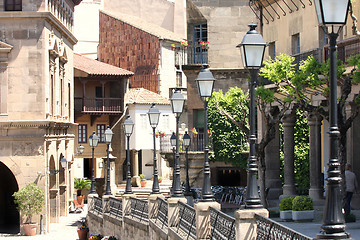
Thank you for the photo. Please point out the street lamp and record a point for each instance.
(128, 129)
(332, 15)
(93, 142)
(205, 82)
(177, 105)
(252, 50)
(63, 163)
(173, 145)
(186, 140)
(108, 136)
(154, 115)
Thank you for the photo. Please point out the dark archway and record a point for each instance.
(9, 215)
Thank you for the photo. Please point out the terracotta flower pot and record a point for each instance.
(82, 234)
(30, 229)
(143, 183)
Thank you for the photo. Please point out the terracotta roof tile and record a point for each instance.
(144, 96)
(94, 67)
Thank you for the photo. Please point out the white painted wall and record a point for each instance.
(168, 69)
(142, 137)
(86, 27)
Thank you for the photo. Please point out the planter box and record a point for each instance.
(303, 215)
(286, 215)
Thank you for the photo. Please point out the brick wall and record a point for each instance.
(125, 46)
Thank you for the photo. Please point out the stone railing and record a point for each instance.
(269, 229)
(172, 219)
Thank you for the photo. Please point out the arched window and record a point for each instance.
(13, 5)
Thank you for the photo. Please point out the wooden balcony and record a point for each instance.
(98, 105)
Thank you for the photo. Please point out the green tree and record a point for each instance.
(312, 79)
(227, 113)
(30, 200)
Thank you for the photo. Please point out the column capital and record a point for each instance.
(289, 118)
(313, 118)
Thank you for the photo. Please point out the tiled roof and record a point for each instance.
(144, 96)
(93, 67)
(146, 26)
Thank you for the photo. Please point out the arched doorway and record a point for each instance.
(9, 215)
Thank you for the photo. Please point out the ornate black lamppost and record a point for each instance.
(332, 17)
(128, 129)
(93, 142)
(173, 145)
(252, 50)
(205, 82)
(186, 140)
(154, 115)
(177, 104)
(108, 136)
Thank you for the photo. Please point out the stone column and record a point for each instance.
(173, 210)
(246, 222)
(316, 190)
(289, 143)
(272, 172)
(136, 163)
(153, 206)
(202, 210)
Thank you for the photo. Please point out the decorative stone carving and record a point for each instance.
(27, 149)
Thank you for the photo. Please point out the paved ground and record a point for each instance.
(66, 229)
(312, 228)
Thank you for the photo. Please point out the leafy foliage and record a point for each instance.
(301, 152)
(302, 203)
(286, 203)
(82, 183)
(226, 112)
(30, 200)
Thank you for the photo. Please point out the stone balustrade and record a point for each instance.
(169, 219)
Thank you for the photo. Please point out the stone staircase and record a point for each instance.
(144, 192)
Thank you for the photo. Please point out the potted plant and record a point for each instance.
(83, 231)
(194, 132)
(285, 207)
(142, 180)
(95, 237)
(173, 46)
(302, 208)
(160, 179)
(184, 44)
(204, 44)
(30, 200)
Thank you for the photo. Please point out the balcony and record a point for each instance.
(98, 105)
(317, 53)
(196, 143)
(194, 54)
(345, 49)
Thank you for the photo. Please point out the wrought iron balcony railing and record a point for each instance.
(345, 49)
(99, 105)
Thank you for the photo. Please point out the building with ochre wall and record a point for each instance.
(36, 106)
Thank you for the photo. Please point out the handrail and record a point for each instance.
(139, 209)
(97, 205)
(115, 207)
(269, 229)
(162, 214)
(187, 221)
(222, 225)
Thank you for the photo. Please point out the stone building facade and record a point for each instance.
(36, 119)
(291, 27)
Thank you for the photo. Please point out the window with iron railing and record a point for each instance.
(198, 53)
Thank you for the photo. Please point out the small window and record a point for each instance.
(13, 5)
(179, 79)
(272, 51)
(82, 133)
(295, 40)
(100, 132)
